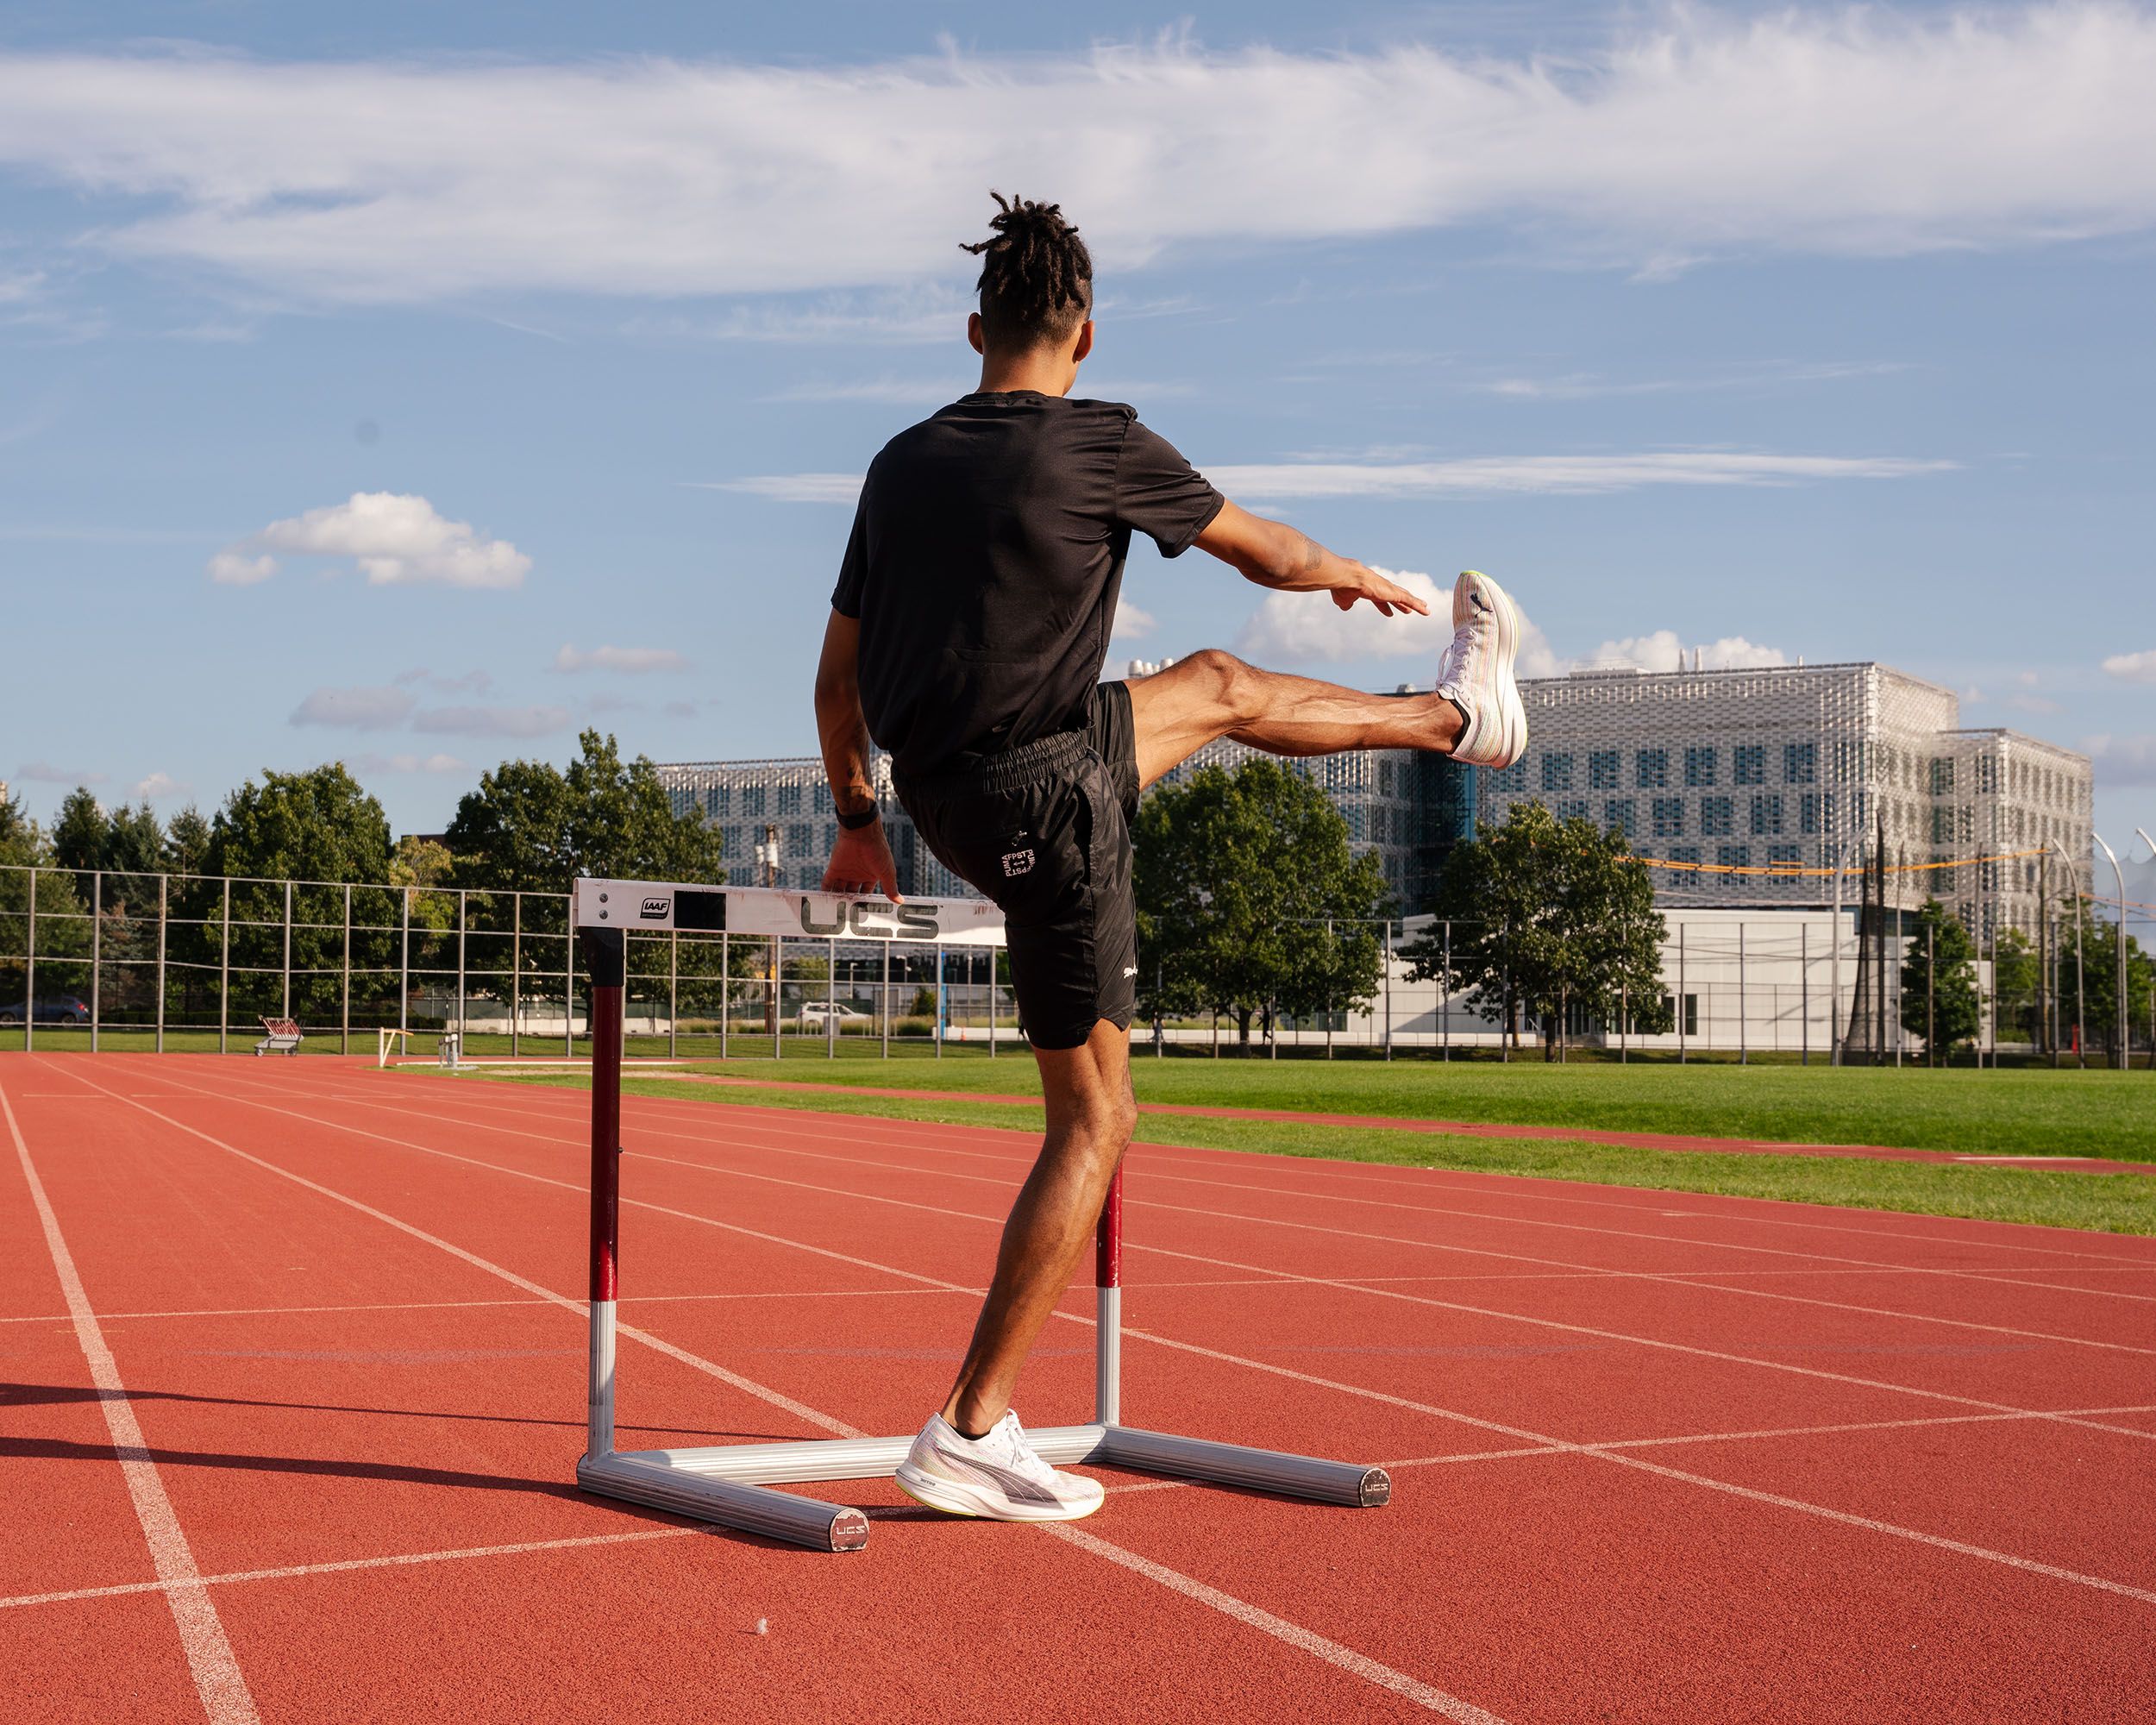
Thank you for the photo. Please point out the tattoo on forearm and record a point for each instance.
(1312, 555)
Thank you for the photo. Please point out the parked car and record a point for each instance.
(816, 1011)
(50, 1009)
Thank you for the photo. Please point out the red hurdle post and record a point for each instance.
(605, 953)
(1108, 1279)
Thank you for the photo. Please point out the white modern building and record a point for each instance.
(1788, 771)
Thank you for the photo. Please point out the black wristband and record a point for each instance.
(854, 823)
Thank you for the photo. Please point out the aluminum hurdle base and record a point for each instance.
(729, 1484)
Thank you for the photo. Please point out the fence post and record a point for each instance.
(29, 971)
(725, 988)
(1804, 988)
(940, 1013)
(286, 1009)
(1444, 995)
(778, 1001)
(1681, 1047)
(568, 984)
(1388, 988)
(1744, 1027)
(830, 999)
(1931, 994)
(992, 1003)
(403, 966)
(515, 970)
(883, 1005)
(97, 949)
(225, 969)
(461, 984)
(163, 885)
(344, 987)
(674, 992)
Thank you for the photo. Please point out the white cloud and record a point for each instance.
(158, 786)
(1555, 473)
(2123, 760)
(635, 661)
(361, 709)
(1855, 131)
(1662, 651)
(1131, 624)
(393, 539)
(406, 764)
(1584, 385)
(1470, 475)
(1307, 628)
(2038, 703)
(2133, 667)
(492, 721)
(44, 772)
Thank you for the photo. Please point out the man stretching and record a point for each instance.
(966, 635)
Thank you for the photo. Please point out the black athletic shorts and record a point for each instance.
(1045, 831)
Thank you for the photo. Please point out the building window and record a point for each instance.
(718, 801)
(682, 800)
(1668, 817)
(820, 797)
(800, 836)
(1766, 814)
(1943, 776)
(1750, 762)
(1557, 772)
(752, 799)
(1601, 770)
(1800, 763)
(1621, 815)
(1943, 826)
(1717, 816)
(1702, 765)
(1357, 822)
(1572, 809)
(1684, 853)
(789, 800)
(1786, 855)
(1650, 769)
(1734, 856)
(1512, 778)
(1808, 812)
(1987, 776)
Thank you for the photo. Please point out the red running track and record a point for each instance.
(295, 1393)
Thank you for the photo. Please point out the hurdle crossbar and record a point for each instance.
(729, 1484)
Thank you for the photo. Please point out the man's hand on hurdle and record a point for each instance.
(861, 862)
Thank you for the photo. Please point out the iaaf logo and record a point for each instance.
(874, 919)
(656, 910)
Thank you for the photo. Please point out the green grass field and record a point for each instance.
(2115, 1203)
(2068, 1113)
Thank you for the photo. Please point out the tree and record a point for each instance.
(187, 842)
(530, 826)
(2102, 982)
(134, 840)
(78, 832)
(316, 825)
(1940, 1001)
(1550, 917)
(1248, 898)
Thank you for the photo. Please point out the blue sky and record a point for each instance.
(412, 386)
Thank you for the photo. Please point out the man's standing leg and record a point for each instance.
(1091, 1112)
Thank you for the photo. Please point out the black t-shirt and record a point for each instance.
(984, 564)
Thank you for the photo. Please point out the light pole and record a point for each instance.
(2118, 939)
(2081, 1004)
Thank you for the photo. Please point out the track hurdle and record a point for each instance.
(730, 1485)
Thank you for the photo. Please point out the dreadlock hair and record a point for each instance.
(1036, 275)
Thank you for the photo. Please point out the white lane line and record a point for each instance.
(1363, 1393)
(1509, 1187)
(1332, 1652)
(223, 1690)
(344, 1565)
(1349, 1286)
(1667, 1278)
(1855, 1265)
(1359, 1665)
(630, 1300)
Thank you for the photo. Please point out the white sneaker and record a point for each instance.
(996, 1475)
(1477, 671)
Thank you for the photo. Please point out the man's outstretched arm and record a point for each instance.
(1274, 555)
(860, 861)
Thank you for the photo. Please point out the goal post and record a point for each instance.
(730, 1483)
